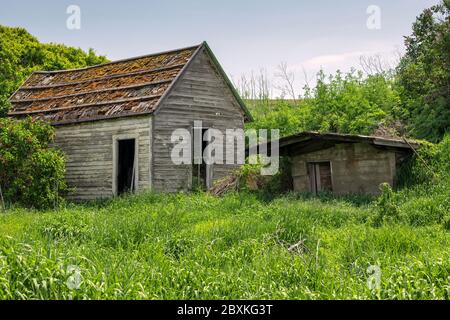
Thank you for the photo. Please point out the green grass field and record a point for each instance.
(237, 247)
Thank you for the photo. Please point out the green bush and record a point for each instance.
(417, 169)
(350, 103)
(31, 173)
(423, 189)
(431, 164)
(386, 205)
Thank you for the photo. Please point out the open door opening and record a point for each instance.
(320, 177)
(126, 166)
(201, 172)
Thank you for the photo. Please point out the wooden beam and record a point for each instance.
(97, 104)
(134, 86)
(120, 75)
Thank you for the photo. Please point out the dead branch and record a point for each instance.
(288, 78)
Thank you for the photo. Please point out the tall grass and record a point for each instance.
(237, 247)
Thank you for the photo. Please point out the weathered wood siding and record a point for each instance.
(89, 152)
(200, 94)
(355, 168)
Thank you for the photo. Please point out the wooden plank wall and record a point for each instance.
(89, 151)
(200, 94)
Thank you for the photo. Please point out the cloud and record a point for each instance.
(305, 71)
(345, 61)
(333, 60)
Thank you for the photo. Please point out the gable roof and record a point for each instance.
(129, 87)
(306, 142)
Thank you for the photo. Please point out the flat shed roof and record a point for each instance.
(306, 142)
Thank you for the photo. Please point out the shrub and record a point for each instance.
(387, 207)
(31, 173)
(431, 163)
(424, 187)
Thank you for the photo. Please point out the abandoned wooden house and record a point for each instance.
(114, 121)
(343, 164)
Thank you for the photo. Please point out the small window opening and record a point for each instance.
(126, 166)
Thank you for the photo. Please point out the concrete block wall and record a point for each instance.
(355, 168)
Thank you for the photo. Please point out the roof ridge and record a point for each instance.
(347, 135)
(117, 61)
(179, 75)
(308, 135)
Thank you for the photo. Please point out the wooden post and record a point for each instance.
(133, 178)
(2, 200)
(132, 187)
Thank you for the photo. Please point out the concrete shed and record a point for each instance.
(344, 164)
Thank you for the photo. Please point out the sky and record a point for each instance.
(246, 35)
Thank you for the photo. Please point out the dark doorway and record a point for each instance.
(199, 170)
(126, 166)
(320, 177)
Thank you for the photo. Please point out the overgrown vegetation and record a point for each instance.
(424, 74)
(31, 173)
(235, 247)
(238, 246)
(343, 103)
(248, 178)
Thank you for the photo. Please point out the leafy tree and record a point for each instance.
(350, 103)
(31, 173)
(424, 73)
(21, 54)
(289, 118)
(339, 103)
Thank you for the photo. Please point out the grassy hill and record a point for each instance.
(198, 246)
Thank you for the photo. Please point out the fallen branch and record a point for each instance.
(435, 176)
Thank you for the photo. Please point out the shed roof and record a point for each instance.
(305, 142)
(116, 89)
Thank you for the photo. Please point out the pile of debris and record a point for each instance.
(229, 184)
(238, 181)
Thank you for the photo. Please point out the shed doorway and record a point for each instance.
(126, 166)
(320, 177)
(202, 173)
